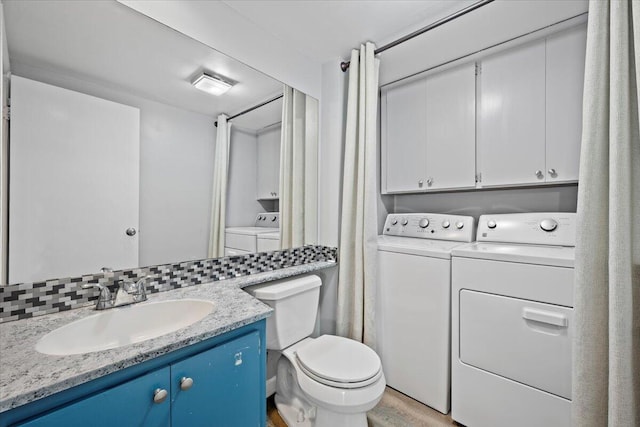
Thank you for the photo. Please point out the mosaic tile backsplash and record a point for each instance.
(26, 300)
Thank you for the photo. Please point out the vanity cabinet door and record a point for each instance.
(220, 387)
(128, 404)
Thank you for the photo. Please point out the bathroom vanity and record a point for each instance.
(211, 372)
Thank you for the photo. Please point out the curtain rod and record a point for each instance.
(255, 107)
(344, 66)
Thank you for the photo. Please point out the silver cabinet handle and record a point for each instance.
(420, 183)
(186, 383)
(160, 395)
(130, 231)
(539, 174)
(553, 173)
(429, 181)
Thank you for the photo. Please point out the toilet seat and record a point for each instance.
(339, 362)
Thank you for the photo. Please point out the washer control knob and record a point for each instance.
(459, 225)
(446, 224)
(491, 224)
(274, 218)
(404, 221)
(548, 224)
(424, 223)
(394, 221)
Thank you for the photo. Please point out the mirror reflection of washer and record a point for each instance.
(244, 240)
(413, 308)
(512, 322)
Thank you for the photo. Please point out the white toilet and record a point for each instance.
(328, 381)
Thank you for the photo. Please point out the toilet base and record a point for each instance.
(335, 408)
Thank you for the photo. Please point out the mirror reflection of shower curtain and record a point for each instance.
(298, 170)
(219, 193)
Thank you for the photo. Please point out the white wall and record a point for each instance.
(491, 24)
(222, 28)
(242, 206)
(176, 171)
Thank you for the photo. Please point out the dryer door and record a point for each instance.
(525, 341)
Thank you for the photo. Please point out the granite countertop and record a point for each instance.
(26, 375)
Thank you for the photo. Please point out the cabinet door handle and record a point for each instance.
(553, 173)
(539, 174)
(429, 181)
(420, 183)
(160, 395)
(186, 383)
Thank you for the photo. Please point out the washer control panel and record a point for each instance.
(431, 226)
(541, 228)
(268, 219)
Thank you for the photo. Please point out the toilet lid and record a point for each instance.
(338, 360)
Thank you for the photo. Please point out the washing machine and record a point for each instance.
(413, 321)
(268, 242)
(512, 317)
(244, 240)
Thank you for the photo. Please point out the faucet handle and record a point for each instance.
(105, 299)
(106, 270)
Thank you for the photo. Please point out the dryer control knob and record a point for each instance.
(404, 221)
(273, 218)
(491, 224)
(394, 221)
(548, 224)
(459, 225)
(445, 224)
(424, 223)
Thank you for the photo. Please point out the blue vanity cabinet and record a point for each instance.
(225, 386)
(129, 404)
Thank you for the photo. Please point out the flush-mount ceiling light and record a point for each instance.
(211, 84)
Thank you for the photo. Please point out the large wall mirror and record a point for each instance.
(109, 137)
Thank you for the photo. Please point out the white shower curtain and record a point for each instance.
(606, 351)
(219, 194)
(298, 169)
(358, 225)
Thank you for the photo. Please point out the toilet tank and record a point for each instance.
(295, 307)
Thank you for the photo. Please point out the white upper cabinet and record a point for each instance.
(428, 133)
(511, 116)
(268, 163)
(530, 112)
(404, 134)
(565, 77)
(451, 129)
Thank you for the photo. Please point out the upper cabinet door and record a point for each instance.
(404, 132)
(269, 163)
(511, 127)
(565, 82)
(451, 129)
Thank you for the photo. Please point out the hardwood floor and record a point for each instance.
(394, 410)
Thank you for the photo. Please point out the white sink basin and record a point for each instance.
(117, 327)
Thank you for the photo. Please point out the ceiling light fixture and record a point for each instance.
(212, 84)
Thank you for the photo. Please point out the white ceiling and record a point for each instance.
(106, 43)
(110, 44)
(324, 30)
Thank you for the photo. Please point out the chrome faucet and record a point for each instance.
(128, 292)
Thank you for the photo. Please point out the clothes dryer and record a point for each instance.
(512, 317)
(413, 319)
